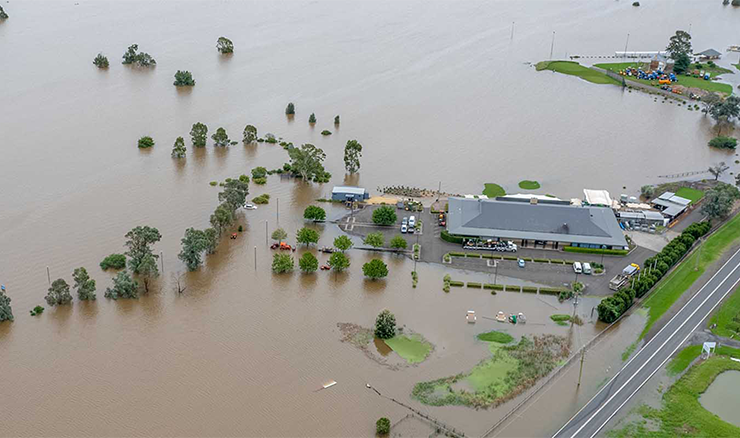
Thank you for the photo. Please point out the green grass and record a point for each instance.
(693, 195)
(686, 81)
(671, 287)
(490, 376)
(576, 69)
(628, 351)
(496, 336)
(414, 348)
(529, 185)
(681, 414)
(683, 359)
(560, 317)
(724, 317)
(493, 190)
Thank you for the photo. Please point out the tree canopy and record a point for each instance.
(398, 242)
(184, 78)
(279, 235)
(146, 142)
(101, 61)
(314, 213)
(250, 134)
(220, 138)
(352, 155)
(58, 293)
(84, 285)
(308, 263)
(682, 62)
(339, 261)
(140, 240)
(376, 240)
(312, 118)
(224, 45)
(282, 263)
(234, 194)
(141, 59)
(199, 135)
(6, 312)
(123, 287)
(194, 243)
(290, 109)
(385, 325)
(307, 236)
(375, 269)
(382, 426)
(718, 201)
(384, 215)
(307, 161)
(679, 44)
(178, 150)
(343, 243)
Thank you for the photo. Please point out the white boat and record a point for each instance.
(330, 384)
(249, 206)
(470, 316)
(501, 317)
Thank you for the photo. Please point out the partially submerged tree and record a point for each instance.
(184, 78)
(352, 155)
(709, 101)
(375, 269)
(250, 134)
(234, 194)
(307, 236)
(221, 218)
(101, 61)
(178, 150)
(338, 261)
(314, 213)
(308, 263)
(58, 293)
(376, 240)
(312, 119)
(336, 120)
(123, 287)
(290, 109)
(385, 325)
(724, 111)
(224, 45)
(722, 142)
(141, 59)
(382, 426)
(279, 235)
(220, 138)
(282, 263)
(146, 142)
(199, 135)
(4, 16)
(307, 161)
(718, 169)
(343, 243)
(211, 240)
(142, 261)
(6, 312)
(84, 285)
(194, 244)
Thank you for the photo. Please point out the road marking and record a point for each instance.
(656, 350)
(651, 340)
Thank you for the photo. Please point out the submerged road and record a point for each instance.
(622, 387)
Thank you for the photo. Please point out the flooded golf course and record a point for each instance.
(433, 91)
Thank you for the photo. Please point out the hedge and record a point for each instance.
(457, 283)
(529, 289)
(551, 291)
(474, 285)
(493, 286)
(542, 260)
(457, 254)
(513, 288)
(620, 252)
(447, 237)
(509, 258)
(558, 261)
(472, 255)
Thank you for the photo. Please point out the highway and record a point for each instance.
(612, 397)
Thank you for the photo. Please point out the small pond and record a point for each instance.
(722, 397)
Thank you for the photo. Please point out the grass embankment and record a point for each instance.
(414, 348)
(693, 195)
(681, 414)
(727, 317)
(493, 190)
(529, 185)
(681, 279)
(684, 357)
(686, 81)
(510, 371)
(576, 69)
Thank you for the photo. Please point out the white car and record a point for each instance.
(249, 206)
(404, 228)
(412, 221)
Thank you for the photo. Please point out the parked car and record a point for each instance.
(577, 268)
(404, 228)
(405, 221)
(520, 262)
(587, 268)
(249, 206)
(412, 221)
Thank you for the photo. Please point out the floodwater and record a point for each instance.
(721, 397)
(423, 86)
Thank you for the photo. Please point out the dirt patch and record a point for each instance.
(376, 350)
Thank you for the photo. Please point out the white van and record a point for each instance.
(587, 268)
(412, 221)
(577, 267)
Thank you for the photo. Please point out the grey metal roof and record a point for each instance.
(709, 52)
(673, 210)
(518, 220)
(348, 189)
(667, 195)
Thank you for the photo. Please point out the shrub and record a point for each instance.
(282, 263)
(260, 181)
(146, 142)
(510, 288)
(496, 336)
(456, 254)
(383, 426)
(493, 286)
(529, 289)
(325, 132)
(261, 199)
(38, 310)
(113, 261)
(722, 142)
(259, 172)
(455, 283)
(224, 45)
(314, 213)
(474, 285)
(183, 78)
(447, 237)
(213, 183)
(384, 215)
(385, 325)
(446, 280)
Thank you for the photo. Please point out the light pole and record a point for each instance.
(625, 45)
(552, 45)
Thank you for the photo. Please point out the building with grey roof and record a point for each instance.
(670, 205)
(708, 55)
(347, 193)
(535, 224)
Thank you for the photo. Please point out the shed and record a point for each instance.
(347, 193)
(708, 54)
(597, 197)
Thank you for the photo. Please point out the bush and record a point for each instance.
(282, 263)
(447, 237)
(325, 132)
(385, 325)
(455, 283)
(577, 249)
(384, 215)
(722, 142)
(383, 426)
(183, 79)
(496, 336)
(474, 285)
(261, 199)
(113, 261)
(259, 172)
(493, 286)
(146, 142)
(314, 213)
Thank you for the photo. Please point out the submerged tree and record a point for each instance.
(224, 45)
(178, 150)
(146, 142)
(375, 269)
(290, 109)
(314, 213)
(250, 134)
(307, 161)
(718, 169)
(141, 59)
(308, 263)
(58, 293)
(140, 240)
(307, 236)
(279, 235)
(282, 263)
(199, 134)
(725, 110)
(385, 325)
(6, 312)
(221, 218)
(234, 194)
(312, 118)
(343, 243)
(336, 120)
(339, 261)
(101, 61)
(123, 287)
(84, 285)
(3, 16)
(183, 78)
(352, 155)
(220, 138)
(211, 240)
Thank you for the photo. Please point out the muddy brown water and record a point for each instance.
(424, 87)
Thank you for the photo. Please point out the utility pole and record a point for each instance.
(625, 45)
(266, 234)
(255, 258)
(278, 212)
(512, 30)
(495, 275)
(580, 373)
(552, 45)
(161, 260)
(48, 275)
(698, 256)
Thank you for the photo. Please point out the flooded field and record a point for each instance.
(721, 396)
(422, 86)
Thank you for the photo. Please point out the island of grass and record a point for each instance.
(493, 190)
(692, 195)
(495, 336)
(509, 371)
(560, 318)
(681, 413)
(576, 69)
(413, 348)
(529, 185)
(686, 81)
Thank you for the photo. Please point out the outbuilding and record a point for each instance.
(670, 205)
(347, 193)
(708, 55)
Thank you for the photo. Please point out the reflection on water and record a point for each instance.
(721, 398)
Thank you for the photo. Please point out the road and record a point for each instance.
(650, 359)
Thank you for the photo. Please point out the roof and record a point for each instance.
(673, 210)
(646, 214)
(348, 189)
(673, 204)
(529, 196)
(597, 197)
(709, 52)
(542, 221)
